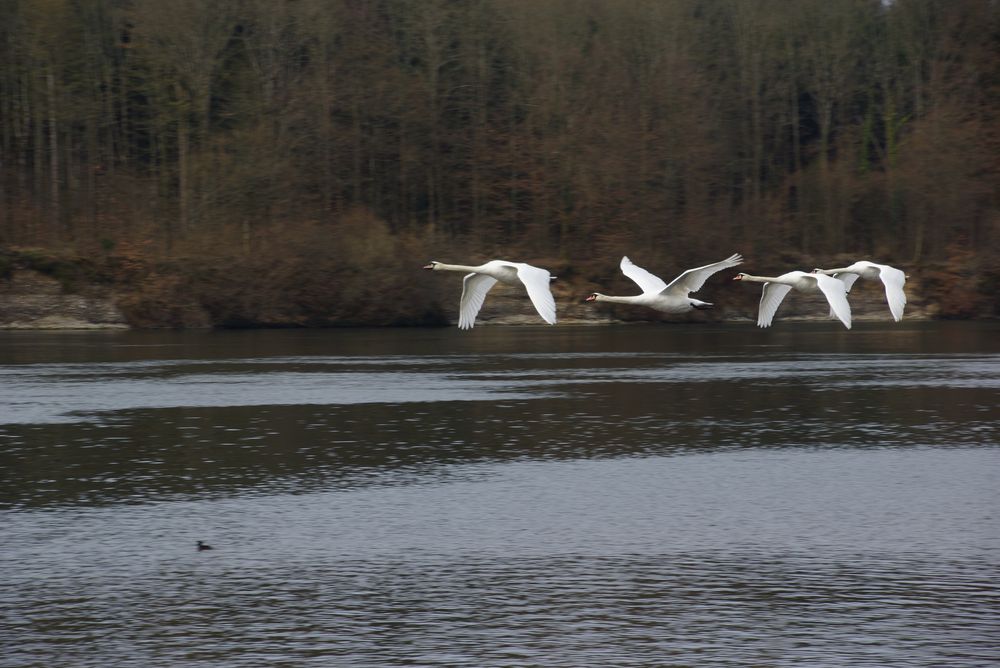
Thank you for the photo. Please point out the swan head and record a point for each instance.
(593, 297)
(740, 276)
(432, 265)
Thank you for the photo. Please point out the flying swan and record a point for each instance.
(776, 287)
(671, 298)
(479, 280)
(892, 278)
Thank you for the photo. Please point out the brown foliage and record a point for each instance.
(290, 164)
(964, 286)
(349, 272)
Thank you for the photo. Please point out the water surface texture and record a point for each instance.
(647, 495)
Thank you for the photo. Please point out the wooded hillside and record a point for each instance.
(310, 154)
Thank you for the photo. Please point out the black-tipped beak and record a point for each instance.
(429, 266)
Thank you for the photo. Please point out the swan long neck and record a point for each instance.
(614, 299)
(441, 266)
(760, 279)
(831, 272)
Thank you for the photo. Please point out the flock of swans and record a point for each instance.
(673, 297)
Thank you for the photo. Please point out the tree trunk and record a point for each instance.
(54, 214)
(796, 203)
(183, 175)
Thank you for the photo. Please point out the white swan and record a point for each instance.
(671, 298)
(776, 287)
(892, 278)
(479, 280)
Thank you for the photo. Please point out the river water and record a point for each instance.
(646, 495)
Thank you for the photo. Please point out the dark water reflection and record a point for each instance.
(613, 496)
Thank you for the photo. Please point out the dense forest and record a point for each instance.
(295, 161)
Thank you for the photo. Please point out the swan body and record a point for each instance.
(672, 298)
(776, 287)
(892, 278)
(480, 279)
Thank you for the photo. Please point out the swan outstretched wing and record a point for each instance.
(474, 289)
(692, 279)
(645, 280)
(770, 299)
(848, 280)
(835, 293)
(893, 279)
(536, 282)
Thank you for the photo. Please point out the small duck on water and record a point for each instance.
(203, 546)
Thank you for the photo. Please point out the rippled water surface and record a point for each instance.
(668, 495)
